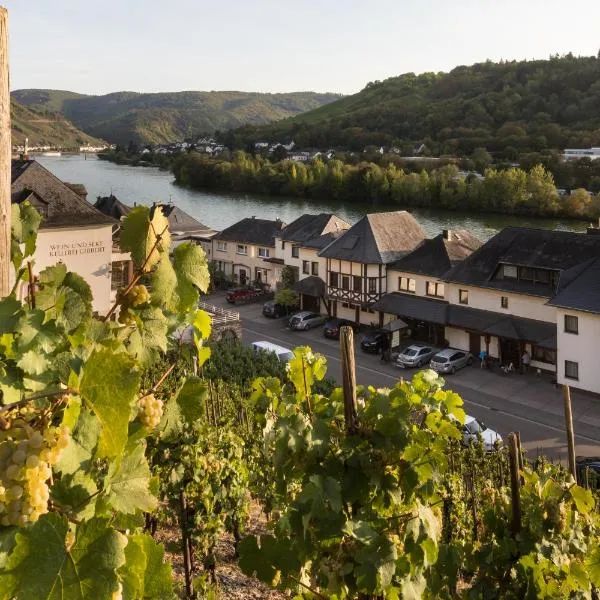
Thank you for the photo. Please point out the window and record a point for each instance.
(222, 246)
(314, 268)
(526, 274)
(295, 251)
(510, 272)
(372, 285)
(119, 274)
(542, 276)
(305, 267)
(263, 252)
(345, 282)
(463, 296)
(406, 284)
(543, 355)
(435, 289)
(571, 369)
(357, 283)
(504, 302)
(241, 249)
(333, 279)
(571, 324)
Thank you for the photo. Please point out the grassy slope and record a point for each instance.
(166, 117)
(46, 129)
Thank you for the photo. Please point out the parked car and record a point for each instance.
(473, 428)
(242, 295)
(450, 360)
(415, 355)
(588, 471)
(372, 342)
(283, 354)
(306, 320)
(332, 327)
(273, 310)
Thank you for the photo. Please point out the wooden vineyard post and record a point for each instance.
(515, 483)
(349, 378)
(5, 158)
(187, 555)
(570, 431)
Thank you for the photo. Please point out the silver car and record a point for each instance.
(473, 429)
(306, 320)
(415, 355)
(450, 360)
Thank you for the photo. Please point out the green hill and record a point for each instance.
(509, 108)
(46, 128)
(166, 117)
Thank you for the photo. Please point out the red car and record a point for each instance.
(242, 295)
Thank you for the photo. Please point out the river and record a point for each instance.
(145, 185)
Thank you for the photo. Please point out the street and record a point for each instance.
(506, 403)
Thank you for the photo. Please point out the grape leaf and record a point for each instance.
(127, 481)
(10, 312)
(150, 337)
(265, 556)
(592, 564)
(76, 493)
(42, 567)
(584, 499)
(139, 233)
(190, 399)
(33, 363)
(189, 262)
(7, 543)
(82, 443)
(163, 284)
(108, 386)
(202, 324)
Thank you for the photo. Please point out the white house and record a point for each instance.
(575, 153)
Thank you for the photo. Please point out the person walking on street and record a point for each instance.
(385, 349)
(483, 359)
(525, 360)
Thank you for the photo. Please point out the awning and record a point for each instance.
(310, 286)
(413, 307)
(471, 318)
(395, 325)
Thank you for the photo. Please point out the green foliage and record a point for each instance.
(287, 297)
(73, 421)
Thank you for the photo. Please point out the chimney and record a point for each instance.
(447, 233)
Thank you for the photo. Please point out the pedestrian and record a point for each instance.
(525, 360)
(385, 348)
(483, 359)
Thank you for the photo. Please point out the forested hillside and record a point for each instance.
(509, 108)
(122, 117)
(46, 129)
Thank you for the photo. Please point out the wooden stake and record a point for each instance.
(570, 431)
(349, 378)
(5, 157)
(515, 483)
(187, 557)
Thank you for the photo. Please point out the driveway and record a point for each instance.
(530, 404)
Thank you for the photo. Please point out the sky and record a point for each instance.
(97, 47)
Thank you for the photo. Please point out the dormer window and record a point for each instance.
(510, 272)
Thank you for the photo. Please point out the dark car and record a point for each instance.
(274, 311)
(241, 295)
(373, 341)
(331, 329)
(588, 471)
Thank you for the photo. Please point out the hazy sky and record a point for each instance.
(95, 46)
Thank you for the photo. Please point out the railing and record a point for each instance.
(220, 316)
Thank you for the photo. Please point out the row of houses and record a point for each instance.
(524, 289)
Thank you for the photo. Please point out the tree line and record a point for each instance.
(510, 191)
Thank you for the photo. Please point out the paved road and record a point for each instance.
(540, 432)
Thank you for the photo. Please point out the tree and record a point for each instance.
(482, 159)
(287, 297)
(288, 277)
(578, 203)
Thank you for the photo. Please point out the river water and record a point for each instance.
(145, 185)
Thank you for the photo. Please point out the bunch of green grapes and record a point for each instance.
(26, 458)
(138, 295)
(150, 411)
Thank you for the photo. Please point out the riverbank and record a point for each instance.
(162, 161)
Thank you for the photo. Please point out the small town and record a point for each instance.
(270, 344)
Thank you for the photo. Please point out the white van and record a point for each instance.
(283, 354)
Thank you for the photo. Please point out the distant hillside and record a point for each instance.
(166, 117)
(509, 108)
(46, 129)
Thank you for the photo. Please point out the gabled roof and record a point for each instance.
(62, 206)
(307, 227)
(261, 232)
(378, 238)
(438, 255)
(562, 251)
(179, 221)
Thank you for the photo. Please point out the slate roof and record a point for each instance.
(60, 205)
(307, 227)
(583, 293)
(378, 238)
(180, 223)
(562, 251)
(413, 307)
(251, 230)
(438, 255)
(310, 286)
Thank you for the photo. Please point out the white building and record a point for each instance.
(574, 153)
